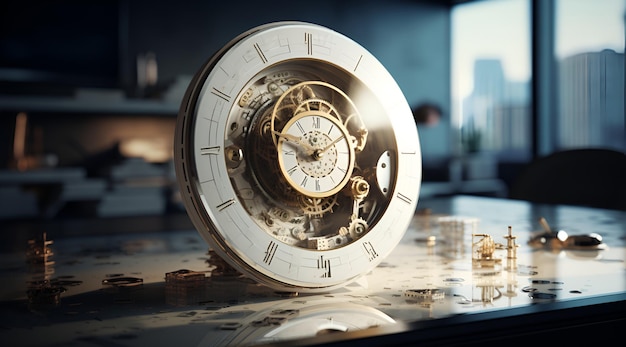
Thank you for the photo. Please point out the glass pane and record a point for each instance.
(589, 48)
(491, 69)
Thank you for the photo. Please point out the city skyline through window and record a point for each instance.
(491, 72)
(589, 51)
(491, 75)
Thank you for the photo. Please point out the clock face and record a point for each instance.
(297, 157)
(315, 150)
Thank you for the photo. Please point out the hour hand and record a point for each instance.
(309, 150)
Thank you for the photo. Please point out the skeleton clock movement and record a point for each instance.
(297, 157)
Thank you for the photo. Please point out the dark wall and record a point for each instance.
(61, 38)
(410, 38)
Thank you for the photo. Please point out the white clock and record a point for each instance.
(297, 157)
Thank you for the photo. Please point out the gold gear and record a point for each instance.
(315, 207)
(357, 228)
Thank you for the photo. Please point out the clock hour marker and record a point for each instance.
(316, 122)
(260, 53)
(358, 62)
(210, 150)
(404, 198)
(325, 265)
(370, 251)
(308, 40)
(225, 204)
(269, 252)
(300, 127)
(220, 94)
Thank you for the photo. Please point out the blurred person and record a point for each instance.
(427, 114)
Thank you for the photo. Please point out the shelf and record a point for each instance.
(88, 105)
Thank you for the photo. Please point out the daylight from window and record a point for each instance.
(490, 77)
(589, 50)
(491, 74)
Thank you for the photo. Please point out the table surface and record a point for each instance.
(165, 288)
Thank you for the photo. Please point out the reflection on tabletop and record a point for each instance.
(461, 255)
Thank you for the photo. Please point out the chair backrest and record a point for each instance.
(592, 177)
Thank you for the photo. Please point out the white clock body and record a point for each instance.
(297, 157)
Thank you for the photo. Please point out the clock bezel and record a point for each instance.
(213, 207)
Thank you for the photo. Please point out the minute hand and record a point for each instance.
(331, 144)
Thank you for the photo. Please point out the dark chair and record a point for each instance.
(591, 177)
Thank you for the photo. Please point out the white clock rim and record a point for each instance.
(388, 221)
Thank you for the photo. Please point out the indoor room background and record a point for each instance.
(89, 91)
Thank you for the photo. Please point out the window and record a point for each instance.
(491, 71)
(589, 53)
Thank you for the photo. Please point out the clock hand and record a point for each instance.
(323, 150)
(309, 150)
(318, 153)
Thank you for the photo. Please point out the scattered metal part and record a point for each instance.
(541, 295)
(187, 314)
(220, 266)
(43, 292)
(426, 296)
(276, 317)
(559, 239)
(429, 240)
(287, 294)
(489, 293)
(65, 282)
(231, 326)
(454, 230)
(511, 250)
(44, 295)
(38, 251)
(463, 299)
(185, 287)
(540, 282)
(123, 281)
(483, 249)
(454, 279)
